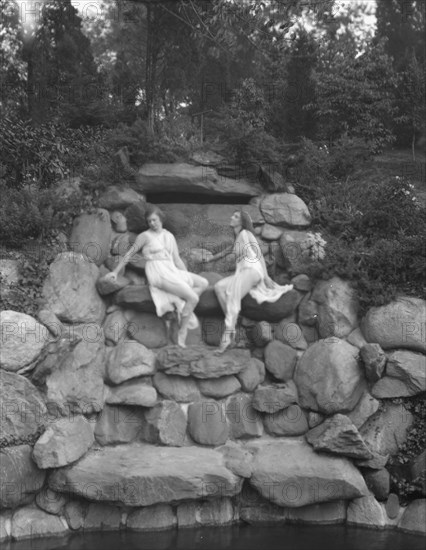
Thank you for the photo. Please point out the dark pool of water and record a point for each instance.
(240, 537)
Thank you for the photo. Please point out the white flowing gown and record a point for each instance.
(160, 267)
(248, 255)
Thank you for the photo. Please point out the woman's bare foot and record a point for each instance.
(181, 338)
(226, 343)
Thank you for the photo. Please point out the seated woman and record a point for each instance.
(172, 286)
(250, 276)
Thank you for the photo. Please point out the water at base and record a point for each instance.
(240, 537)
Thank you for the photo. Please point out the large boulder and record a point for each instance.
(288, 472)
(91, 236)
(366, 512)
(287, 422)
(405, 375)
(272, 312)
(187, 178)
(128, 360)
(387, 429)
(337, 307)
(201, 362)
(337, 435)
(22, 340)
(20, 476)
(23, 411)
(70, 289)
(65, 441)
(117, 198)
(30, 522)
(152, 518)
(414, 518)
(329, 378)
(285, 209)
(365, 408)
(400, 324)
(71, 376)
(148, 475)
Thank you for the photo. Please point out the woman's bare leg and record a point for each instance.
(184, 291)
(248, 279)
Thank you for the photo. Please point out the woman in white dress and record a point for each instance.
(250, 276)
(172, 286)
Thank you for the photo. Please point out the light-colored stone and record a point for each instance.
(152, 518)
(271, 232)
(176, 388)
(128, 360)
(289, 473)
(119, 425)
(105, 286)
(23, 411)
(356, 338)
(414, 518)
(70, 289)
(207, 423)
(115, 327)
(366, 512)
(337, 435)
(302, 282)
(148, 475)
(337, 307)
(365, 408)
(295, 248)
(64, 441)
(5, 525)
(285, 209)
(400, 324)
(165, 424)
(329, 378)
(252, 376)
(315, 419)
(20, 477)
(135, 392)
(287, 422)
(405, 375)
(244, 421)
(51, 322)
(387, 429)
(30, 522)
(9, 272)
(102, 517)
(280, 360)
(237, 459)
(22, 340)
(71, 376)
(219, 387)
(201, 362)
(119, 222)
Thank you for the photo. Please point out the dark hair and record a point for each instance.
(152, 209)
(246, 222)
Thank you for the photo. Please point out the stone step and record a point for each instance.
(141, 474)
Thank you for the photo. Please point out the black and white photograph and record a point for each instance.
(212, 275)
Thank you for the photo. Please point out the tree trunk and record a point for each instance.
(149, 70)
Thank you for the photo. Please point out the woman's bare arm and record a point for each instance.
(136, 246)
(221, 254)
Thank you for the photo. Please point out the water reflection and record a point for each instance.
(240, 537)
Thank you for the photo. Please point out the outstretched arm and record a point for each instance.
(136, 246)
(221, 254)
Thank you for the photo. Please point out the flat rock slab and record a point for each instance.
(186, 178)
(288, 472)
(141, 474)
(201, 362)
